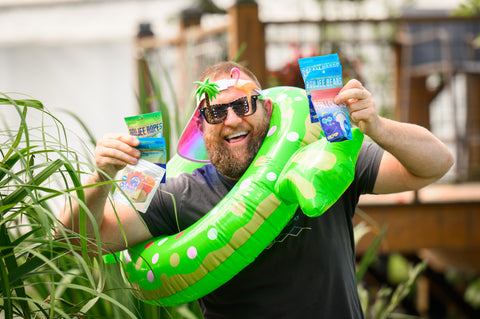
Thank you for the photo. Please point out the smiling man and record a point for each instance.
(309, 271)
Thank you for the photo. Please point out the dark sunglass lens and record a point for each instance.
(241, 107)
(219, 113)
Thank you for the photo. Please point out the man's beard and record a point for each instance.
(233, 165)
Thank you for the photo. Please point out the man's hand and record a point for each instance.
(361, 107)
(114, 151)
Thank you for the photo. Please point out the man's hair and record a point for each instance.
(225, 67)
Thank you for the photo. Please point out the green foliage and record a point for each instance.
(45, 269)
(472, 294)
(370, 254)
(387, 299)
(398, 269)
(470, 8)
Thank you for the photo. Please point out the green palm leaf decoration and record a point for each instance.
(210, 90)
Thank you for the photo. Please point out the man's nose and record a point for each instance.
(232, 118)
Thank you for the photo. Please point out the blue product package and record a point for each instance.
(153, 149)
(323, 80)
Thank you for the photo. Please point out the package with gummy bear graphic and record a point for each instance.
(323, 80)
(138, 184)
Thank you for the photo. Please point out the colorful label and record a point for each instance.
(136, 185)
(145, 125)
(324, 79)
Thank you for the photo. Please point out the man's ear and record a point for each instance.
(268, 106)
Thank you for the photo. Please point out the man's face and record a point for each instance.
(233, 144)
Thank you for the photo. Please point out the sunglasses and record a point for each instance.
(217, 113)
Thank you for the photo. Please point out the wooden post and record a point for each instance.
(420, 98)
(246, 32)
(412, 96)
(473, 126)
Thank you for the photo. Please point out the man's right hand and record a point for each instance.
(114, 151)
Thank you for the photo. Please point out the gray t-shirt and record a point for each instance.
(307, 272)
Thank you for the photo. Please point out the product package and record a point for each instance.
(323, 80)
(138, 184)
(149, 130)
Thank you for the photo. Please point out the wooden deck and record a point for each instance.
(440, 223)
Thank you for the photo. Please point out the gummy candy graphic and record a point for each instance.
(136, 184)
(330, 126)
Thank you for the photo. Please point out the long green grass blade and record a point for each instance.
(25, 102)
(22, 134)
(6, 292)
(10, 263)
(103, 296)
(8, 162)
(20, 193)
(83, 212)
(370, 254)
(239, 52)
(33, 263)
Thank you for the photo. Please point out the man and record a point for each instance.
(309, 271)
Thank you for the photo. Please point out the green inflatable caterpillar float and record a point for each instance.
(293, 167)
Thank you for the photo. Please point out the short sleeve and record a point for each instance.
(367, 167)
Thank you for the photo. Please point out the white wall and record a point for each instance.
(78, 57)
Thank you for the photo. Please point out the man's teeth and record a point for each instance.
(239, 134)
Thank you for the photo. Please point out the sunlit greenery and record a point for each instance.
(46, 270)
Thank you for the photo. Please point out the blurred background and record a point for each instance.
(107, 59)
